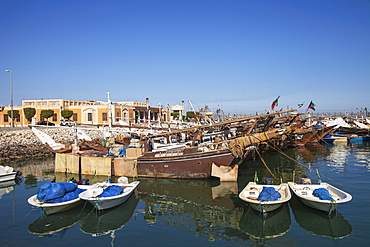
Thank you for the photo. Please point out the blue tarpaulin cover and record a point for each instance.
(50, 191)
(322, 193)
(67, 196)
(269, 194)
(122, 152)
(113, 190)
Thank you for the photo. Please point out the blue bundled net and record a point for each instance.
(322, 193)
(67, 197)
(269, 194)
(113, 190)
(58, 192)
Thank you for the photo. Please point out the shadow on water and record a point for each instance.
(100, 223)
(319, 223)
(8, 186)
(58, 223)
(210, 209)
(206, 207)
(271, 225)
(96, 223)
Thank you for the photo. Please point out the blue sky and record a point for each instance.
(236, 54)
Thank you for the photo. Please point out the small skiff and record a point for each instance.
(52, 208)
(252, 194)
(101, 200)
(7, 173)
(326, 202)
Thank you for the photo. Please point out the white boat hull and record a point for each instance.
(102, 203)
(304, 193)
(251, 192)
(7, 176)
(52, 208)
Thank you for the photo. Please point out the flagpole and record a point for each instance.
(274, 103)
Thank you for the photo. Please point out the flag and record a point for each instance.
(279, 115)
(300, 105)
(312, 106)
(274, 103)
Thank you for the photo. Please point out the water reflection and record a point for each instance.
(319, 223)
(58, 223)
(206, 192)
(8, 186)
(271, 225)
(108, 221)
(205, 207)
(91, 221)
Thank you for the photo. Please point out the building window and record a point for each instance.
(6, 118)
(89, 116)
(105, 116)
(74, 117)
(55, 117)
(18, 119)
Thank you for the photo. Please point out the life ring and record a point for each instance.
(199, 163)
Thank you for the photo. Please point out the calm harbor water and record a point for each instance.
(166, 212)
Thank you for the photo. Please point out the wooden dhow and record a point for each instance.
(219, 158)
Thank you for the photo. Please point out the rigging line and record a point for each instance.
(263, 161)
(83, 208)
(23, 217)
(281, 152)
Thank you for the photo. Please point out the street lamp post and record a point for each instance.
(11, 98)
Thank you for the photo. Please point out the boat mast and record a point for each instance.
(109, 111)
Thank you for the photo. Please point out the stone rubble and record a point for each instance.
(23, 143)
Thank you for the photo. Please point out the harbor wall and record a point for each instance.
(96, 165)
(125, 167)
(106, 166)
(67, 163)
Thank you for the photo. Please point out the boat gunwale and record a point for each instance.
(284, 186)
(37, 203)
(132, 186)
(347, 197)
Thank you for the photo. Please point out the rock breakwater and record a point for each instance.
(23, 143)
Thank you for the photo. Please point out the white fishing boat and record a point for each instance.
(109, 195)
(54, 206)
(7, 173)
(322, 196)
(265, 198)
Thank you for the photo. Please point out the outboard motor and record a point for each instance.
(85, 181)
(306, 181)
(268, 181)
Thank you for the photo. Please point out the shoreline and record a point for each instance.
(21, 143)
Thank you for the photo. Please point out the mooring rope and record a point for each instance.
(263, 161)
(23, 217)
(83, 208)
(281, 152)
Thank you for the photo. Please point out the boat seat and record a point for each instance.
(282, 193)
(305, 192)
(252, 194)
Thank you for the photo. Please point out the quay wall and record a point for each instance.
(18, 143)
(106, 166)
(69, 163)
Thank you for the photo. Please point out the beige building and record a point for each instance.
(88, 112)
